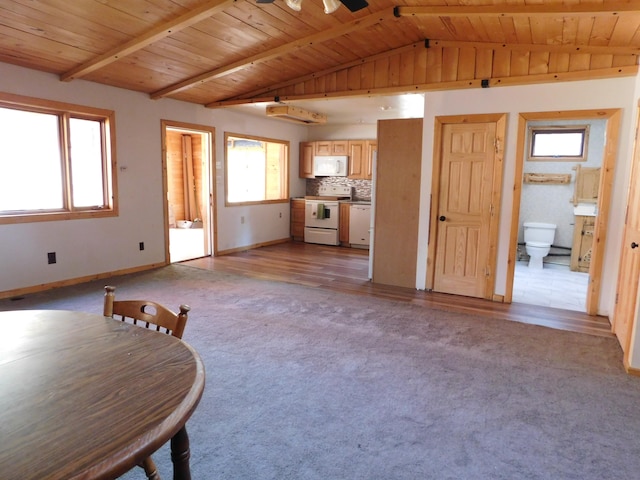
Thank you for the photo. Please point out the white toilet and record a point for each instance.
(538, 238)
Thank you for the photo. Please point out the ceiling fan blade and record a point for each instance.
(355, 5)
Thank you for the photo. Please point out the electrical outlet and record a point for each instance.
(51, 257)
(141, 245)
(242, 220)
(280, 215)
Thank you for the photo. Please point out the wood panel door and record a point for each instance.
(464, 262)
(397, 202)
(627, 288)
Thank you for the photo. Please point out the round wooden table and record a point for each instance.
(84, 396)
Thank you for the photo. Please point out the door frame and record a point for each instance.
(625, 312)
(210, 134)
(612, 116)
(500, 119)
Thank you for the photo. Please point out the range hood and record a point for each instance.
(296, 115)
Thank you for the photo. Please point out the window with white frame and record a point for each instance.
(558, 143)
(56, 160)
(256, 170)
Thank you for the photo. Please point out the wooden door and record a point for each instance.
(463, 264)
(627, 288)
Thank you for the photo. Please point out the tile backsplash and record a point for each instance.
(361, 189)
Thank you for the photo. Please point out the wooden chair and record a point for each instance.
(150, 315)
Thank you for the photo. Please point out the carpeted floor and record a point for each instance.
(312, 385)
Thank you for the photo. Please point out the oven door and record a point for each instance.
(319, 214)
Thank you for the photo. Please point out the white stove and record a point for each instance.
(322, 214)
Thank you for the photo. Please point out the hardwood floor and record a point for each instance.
(346, 270)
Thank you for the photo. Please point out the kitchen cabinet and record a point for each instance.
(297, 219)
(372, 150)
(357, 159)
(307, 151)
(361, 154)
(582, 243)
(332, 147)
(343, 229)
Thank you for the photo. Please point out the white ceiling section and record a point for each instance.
(351, 111)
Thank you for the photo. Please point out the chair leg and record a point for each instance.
(150, 469)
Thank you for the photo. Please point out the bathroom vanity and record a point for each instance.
(582, 239)
(585, 199)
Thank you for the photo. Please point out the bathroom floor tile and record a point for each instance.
(554, 286)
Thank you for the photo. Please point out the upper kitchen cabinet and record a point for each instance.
(361, 153)
(307, 150)
(332, 147)
(372, 150)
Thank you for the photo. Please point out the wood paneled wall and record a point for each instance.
(441, 65)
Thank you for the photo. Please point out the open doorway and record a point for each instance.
(569, 277)
(188, 152)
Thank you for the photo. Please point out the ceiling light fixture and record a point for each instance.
(294, 4)
(330, 6)
(296, 114)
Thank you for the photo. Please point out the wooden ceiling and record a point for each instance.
(228, 52)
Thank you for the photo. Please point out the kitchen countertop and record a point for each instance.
(340, 199)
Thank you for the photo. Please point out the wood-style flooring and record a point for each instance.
(346, 270)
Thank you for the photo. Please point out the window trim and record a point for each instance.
(535, 129)
(65, 111)
(286, 143)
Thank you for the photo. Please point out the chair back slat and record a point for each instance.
(150, 314)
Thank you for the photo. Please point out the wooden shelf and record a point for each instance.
(547, 178)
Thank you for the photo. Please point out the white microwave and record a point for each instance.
(330, 165)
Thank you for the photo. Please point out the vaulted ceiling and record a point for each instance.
(228, 52)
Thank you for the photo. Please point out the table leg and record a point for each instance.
(180, 454)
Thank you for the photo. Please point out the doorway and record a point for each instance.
(189, 166)
(565, 277)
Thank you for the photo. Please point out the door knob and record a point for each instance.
(634, 245)
(442, 218)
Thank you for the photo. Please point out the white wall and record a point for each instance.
(610, 93)
(362, 131)
(94, 246)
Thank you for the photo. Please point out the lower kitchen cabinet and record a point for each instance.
(297, 219)
(582, 243)
(343, 229)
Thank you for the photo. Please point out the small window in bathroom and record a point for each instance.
(558, 144)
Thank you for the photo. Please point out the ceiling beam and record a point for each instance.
(532, 47)
(531, 10)
(344, 29)
(157, 33)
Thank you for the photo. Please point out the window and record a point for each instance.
(558, 143)
(55, 160)
(256, 170)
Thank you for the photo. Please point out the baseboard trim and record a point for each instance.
(630, 370)
(251, 247)
(75, 281)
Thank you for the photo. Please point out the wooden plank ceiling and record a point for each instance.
(227, 52)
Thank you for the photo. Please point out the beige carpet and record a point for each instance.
(303, 383)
